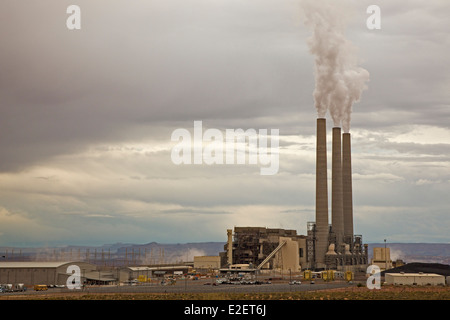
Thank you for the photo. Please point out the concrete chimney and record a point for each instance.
(347, 186)
(230, 246)
(321, 244)
(337, 217)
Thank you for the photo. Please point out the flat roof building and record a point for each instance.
(130, 273)
(419, 279)
(207, 263)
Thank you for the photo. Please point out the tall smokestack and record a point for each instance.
(337, 218)
(347, 185)
(321, 244)
(229, 246)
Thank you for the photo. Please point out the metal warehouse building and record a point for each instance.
(420, 279)
(143, 272)
(48, 273)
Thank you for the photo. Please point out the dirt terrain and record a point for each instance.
(345, 293)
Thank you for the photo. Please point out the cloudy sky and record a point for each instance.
(86, 118)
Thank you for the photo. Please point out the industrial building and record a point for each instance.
(419, 279)
(50, 273)
(382, 258)
(207, 263)
(264, 248)
(145, 273)
(56, 273)
(325, 246)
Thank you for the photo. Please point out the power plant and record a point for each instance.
(255, 249)
(329, 249)
(325, 246)
(343, 247)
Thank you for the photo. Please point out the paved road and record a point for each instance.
(189, 286)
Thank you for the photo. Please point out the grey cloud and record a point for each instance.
(148, 63)
(73, 102)
(194, 211)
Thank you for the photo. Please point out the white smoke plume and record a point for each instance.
(339, 79)
(396, 254)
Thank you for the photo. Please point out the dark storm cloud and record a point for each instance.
(135, 64)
